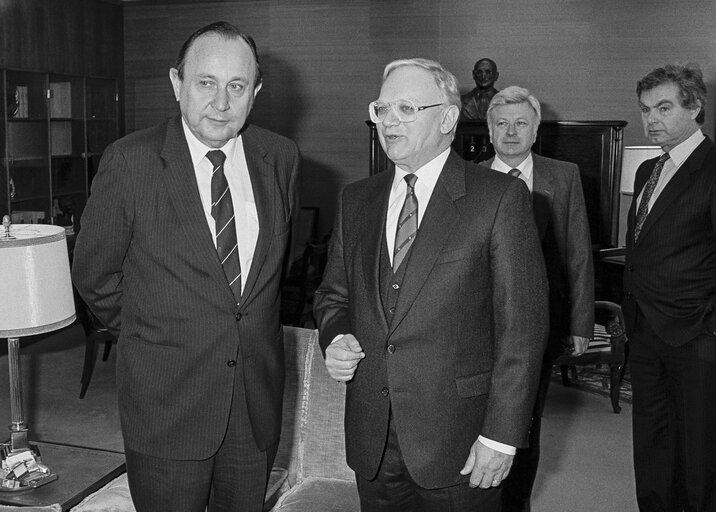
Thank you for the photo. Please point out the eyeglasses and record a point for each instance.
(405, 110)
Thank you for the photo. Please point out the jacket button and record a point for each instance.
(391, 349)
(385, 391)
(396, 286)
(631, 268)
(391, 310)
(238, 316)
(231, 363)
(628, 295)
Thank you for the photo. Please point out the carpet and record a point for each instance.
(595, 379)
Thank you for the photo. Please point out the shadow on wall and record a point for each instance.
(320, 187)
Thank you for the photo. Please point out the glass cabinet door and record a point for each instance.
(27, 155)
(67, 150)
(102, 120)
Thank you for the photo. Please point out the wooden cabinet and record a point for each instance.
(53, 130)
(596, 146)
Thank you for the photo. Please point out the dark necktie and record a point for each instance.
(643, 210)
(407, 223)
(514, 172)
(222, 209)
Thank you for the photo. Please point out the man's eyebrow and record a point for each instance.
(658, 104)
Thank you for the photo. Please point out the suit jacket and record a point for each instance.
(146, 264)
(469, 327)
(670, 272)
(563, 227)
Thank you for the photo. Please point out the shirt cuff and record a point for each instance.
(338, 337)
(500, 447)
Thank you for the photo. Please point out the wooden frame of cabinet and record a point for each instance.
(53, 130)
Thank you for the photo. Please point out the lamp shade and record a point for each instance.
(632, 157)
(35, 281)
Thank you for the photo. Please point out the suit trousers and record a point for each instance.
(674, 421)
(394, 490)
(233, 479)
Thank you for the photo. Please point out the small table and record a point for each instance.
(81, 472)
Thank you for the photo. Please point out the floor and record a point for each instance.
(586, 460)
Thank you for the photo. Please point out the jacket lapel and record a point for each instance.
(180, 181)
(542, 193)
(435, 227)
(372, 237)
(263, 183)
(676, 186)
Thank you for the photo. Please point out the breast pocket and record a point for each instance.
(456, 254)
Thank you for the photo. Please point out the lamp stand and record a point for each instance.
(21, 468)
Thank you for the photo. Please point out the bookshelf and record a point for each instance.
(53, 130)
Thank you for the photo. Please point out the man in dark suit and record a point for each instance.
(180, 256)
(513, 118)
(437, 331)
(670, 298)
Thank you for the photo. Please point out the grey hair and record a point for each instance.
(445, 80)
(515, 94)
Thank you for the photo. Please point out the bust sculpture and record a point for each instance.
(475, 102)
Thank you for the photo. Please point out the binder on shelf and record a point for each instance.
(61, 138)
(61, 99)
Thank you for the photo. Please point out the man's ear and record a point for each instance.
(176, 82)
(449, 119)
(257, 88)
(696, 109)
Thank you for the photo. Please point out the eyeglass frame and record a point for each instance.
(374, 117)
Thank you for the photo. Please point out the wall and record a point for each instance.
(323, 59)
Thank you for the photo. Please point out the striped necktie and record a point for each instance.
(222, 209)
(407, 223)
(643, 210)
(514, 172)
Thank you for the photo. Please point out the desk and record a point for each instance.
(81, 472)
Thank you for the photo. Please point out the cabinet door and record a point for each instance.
(102, 120)
(27, 156)
(67, 150)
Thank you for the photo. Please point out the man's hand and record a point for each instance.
(342, 358)
(488, 467)
(579, 345)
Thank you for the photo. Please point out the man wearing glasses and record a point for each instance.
(433, 309)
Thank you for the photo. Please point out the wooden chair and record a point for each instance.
(608, 347)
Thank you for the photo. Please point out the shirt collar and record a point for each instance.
(525, 167)
(427, 175)
(681, 152)
(199, 150)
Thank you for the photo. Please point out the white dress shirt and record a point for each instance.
(242, 195)
(677, 156)
(526, 168)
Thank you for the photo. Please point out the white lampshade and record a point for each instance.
(632, 157)
(35, 281)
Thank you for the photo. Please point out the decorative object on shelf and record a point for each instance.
(13, 100)
(35, 276)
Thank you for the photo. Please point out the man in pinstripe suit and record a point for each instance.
(200, 348)
(670, 298)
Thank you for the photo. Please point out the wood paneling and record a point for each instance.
(323, 59)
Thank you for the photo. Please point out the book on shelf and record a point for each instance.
(61, 99)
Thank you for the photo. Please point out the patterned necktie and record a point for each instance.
(407, 223)
(643, 210)
(222, 209)
(514, 172)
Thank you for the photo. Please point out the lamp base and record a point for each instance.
(22, 469)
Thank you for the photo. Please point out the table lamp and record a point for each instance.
(35, 279)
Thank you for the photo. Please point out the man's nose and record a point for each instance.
(391, 118)
(221, 100)
(511, 129)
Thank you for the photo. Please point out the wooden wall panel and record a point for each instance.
(323, 59)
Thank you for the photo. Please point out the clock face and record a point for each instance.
(13, 100)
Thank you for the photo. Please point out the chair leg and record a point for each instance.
(88, 367)
(565, 375)
(107, 350)
(615, 371)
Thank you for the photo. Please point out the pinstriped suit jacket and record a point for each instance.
(563, 227)
(146, 264)
(670, 272)
(469, 326)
